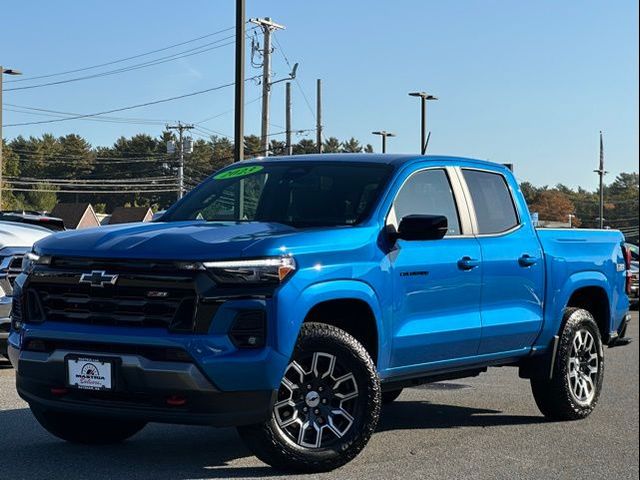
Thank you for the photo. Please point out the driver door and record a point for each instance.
(436, 283)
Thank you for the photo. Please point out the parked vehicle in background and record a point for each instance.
(293, 296)
(16, 239)
(32, 218)
(633, 252)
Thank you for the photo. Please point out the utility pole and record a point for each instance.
(8, 71)
(180, 127)
(288, 118)
(424, 97)
(268, 27)
(319, 115)
(601, 173)
(238, 154)
(384, 134)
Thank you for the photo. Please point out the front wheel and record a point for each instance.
(578, 370)
(327, 406)
(85, 429)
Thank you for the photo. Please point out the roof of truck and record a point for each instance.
(389, 159)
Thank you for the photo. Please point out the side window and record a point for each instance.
(426, 193)
(495, 210)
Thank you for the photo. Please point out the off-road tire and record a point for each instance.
(274, 447)
(390, 397)
(554, 396)
(84, 429)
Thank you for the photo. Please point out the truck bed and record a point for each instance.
(581, 257)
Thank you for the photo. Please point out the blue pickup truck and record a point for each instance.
(293, 296)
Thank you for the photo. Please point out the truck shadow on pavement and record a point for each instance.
(175, 452)
(402, 415)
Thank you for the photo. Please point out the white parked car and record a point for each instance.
(15, 240)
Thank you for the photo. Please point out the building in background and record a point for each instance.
(130, 215)
(76, 215)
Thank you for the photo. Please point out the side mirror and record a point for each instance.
(423, 227)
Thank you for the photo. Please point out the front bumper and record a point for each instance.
(142, 389)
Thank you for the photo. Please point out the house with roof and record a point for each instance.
(76, 215)
(130, 215)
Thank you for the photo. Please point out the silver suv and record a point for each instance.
(15, 240)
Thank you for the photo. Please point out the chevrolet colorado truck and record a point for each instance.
(292, 296)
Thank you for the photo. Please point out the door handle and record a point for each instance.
(468, 263)
(527, 260)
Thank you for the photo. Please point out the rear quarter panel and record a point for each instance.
(576, 259)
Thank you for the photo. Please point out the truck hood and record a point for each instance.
(192, 240)
(20, 235)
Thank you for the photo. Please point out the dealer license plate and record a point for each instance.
(90, 373)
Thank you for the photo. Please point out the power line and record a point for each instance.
(159, 61)
(131, 153)
(286, 59)
(42, 156)
(225, 112)
(58, 114)
(90, 180)
(122, 59)
(210, 131)
(96, 164)
(105, 192)
(131, 107)
(97, 188)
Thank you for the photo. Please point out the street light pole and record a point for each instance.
(3, 71)
(384, 134)
(423, 107)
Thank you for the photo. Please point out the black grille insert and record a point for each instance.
(137, 300)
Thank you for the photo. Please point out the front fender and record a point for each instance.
(558, 297)
(292, 310)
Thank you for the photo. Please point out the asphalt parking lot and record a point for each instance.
(485, 427)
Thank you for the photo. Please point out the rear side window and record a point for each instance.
(427, 193)
(495, 211)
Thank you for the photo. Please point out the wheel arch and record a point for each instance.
(352, 315)
(595, 300)
(323, 302)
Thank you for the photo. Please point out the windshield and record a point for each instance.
(297, 194)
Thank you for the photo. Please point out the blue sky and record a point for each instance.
(523, 82)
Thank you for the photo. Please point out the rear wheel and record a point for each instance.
(327, 407)
(578, 370)
(77, 428)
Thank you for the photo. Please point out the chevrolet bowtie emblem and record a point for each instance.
(98, 278)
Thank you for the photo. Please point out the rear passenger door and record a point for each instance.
(436, 283)
(513, 270)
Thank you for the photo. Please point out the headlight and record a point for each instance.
(30, 259)
(260, 271)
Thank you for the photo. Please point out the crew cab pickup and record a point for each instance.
(293, 296)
